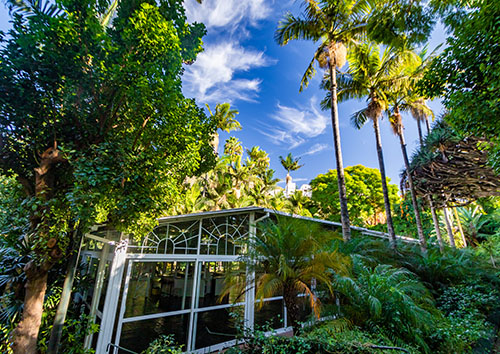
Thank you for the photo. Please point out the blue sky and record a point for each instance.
(243, 65)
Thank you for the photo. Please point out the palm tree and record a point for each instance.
(290, 164)
(421, 112)
(333, 24)
(224, 120)
(257, 161)
(371, 75)
(286, 256)
(298, 203)
(397, 127)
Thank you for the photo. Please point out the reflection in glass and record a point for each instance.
(137, 335)
(104, 287)
(213, 278)
(87, 278)
(269, 315)
(156, 287)
(217, 326)
(305, 311)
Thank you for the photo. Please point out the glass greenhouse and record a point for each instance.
(171, 283)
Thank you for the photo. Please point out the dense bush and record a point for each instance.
(325, 338)
(467, 307)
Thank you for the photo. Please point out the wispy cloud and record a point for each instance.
(296, 124)
(315, 149)
(212, 77)
(227, 13)
(300, 179)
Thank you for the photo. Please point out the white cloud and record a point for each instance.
(300, 179)
(315, 149)
(211, 78)
(297, 124)
(227, 13)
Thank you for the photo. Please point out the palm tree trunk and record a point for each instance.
(344, 213)
(436, 224)
(448, 228)
(420, 231)
(431, 203)
(292, 308)
(387, 203)
(420, 134)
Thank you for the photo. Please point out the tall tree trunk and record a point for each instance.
(436, 224)
(420, 134)
(460, 227)
(451, 236)
(344, 213)
(420, 231)
(26, 332)
(387, 203)
(435, 219)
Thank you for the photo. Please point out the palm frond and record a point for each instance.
(359, 118)
(292, 28)
(33, 8)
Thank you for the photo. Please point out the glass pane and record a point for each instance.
(87, 279)
(217, 326)
(270, 315)
(305, 311)
(138, 335)
(224, 235)
(213, 279)
(156, 287)
(104, 288)
(178, 238)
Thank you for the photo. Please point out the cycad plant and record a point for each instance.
(371, 75)
(333, 25)
(286, 255)
(386, 297)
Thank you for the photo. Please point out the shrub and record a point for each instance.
(163, 345)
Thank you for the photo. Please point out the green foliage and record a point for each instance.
(466, 307)
(364, 195)
(467, 73)
(237, 182)
(399, 23)
(389, 298)
(325, 338)
(404, 218)
(94, 128)
(224, 117)
(163, 345)
(286, 255)
(107, 104)
(289, 163)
